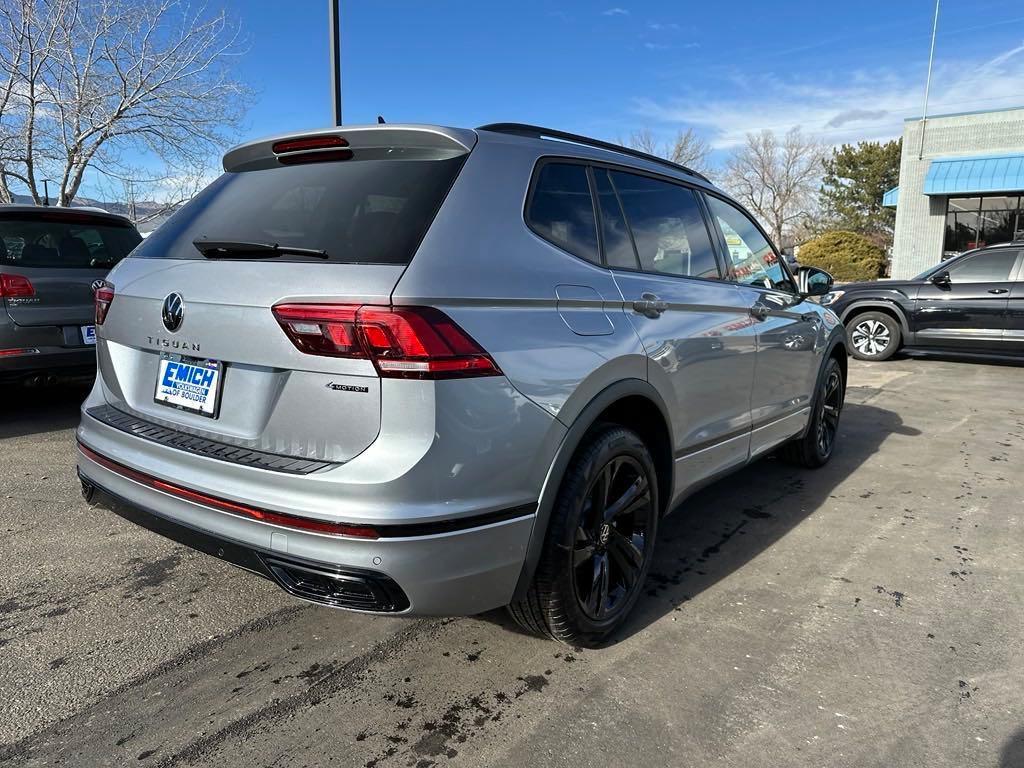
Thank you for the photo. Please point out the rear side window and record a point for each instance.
(358, 211)
(984, 267)
(618, 245)
(44, 242)
(667, 225)
(561, 209)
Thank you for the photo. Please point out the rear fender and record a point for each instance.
(586, 419)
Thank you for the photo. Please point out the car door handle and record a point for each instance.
(650, 306)
(760, 312)
(998, 290)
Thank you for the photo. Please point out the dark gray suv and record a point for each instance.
(416, 369)
(51, 262)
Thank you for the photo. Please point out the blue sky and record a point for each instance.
(843, 71)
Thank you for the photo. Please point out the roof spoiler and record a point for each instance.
(360, 141)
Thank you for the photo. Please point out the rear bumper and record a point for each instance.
(49, 350)
(457, 572)
(323, 583)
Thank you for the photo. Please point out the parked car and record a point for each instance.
(411, 369)
(51, 261)
(971, 304)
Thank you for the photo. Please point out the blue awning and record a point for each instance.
(974, 175)
(891, 198)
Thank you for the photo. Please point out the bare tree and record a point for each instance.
(687, 148)
(98, 85)
(777, 180)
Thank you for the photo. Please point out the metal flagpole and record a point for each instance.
(928, 81)
(334, 12)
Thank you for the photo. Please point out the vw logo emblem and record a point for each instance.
(173, 312)
(97, 284)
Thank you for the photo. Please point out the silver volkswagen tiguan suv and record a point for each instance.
(424, 370)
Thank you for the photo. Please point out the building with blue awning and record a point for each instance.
(962, 187)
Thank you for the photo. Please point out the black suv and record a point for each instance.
(972, 304)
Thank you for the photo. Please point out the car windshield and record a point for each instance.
(55, 242)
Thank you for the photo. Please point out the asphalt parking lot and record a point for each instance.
(867, 614)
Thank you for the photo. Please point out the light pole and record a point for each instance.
(334, 11)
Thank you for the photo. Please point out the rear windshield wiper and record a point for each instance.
(237, 249)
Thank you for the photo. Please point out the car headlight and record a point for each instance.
(830, 298)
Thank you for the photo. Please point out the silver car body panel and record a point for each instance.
(562, 331)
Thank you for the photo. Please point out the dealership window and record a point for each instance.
(974, 222)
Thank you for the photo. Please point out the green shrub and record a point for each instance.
(846, 255)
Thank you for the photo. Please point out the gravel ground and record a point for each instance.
(867, 614)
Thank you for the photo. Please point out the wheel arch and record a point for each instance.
(632, 403)
(886, 306)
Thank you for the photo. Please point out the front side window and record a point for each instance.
(753, 260)
(561, 209)
(667, 225)
(985, 267)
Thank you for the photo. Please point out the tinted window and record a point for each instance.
(667, 225)
(618, 247)
(987, 267)
(753, 260)
(562, 211)
(359, 211)
(38, 241)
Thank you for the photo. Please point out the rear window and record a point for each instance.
(365, 211)
(43, 242)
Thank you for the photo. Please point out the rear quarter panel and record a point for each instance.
(517, 294)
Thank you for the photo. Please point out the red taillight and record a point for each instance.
(402, 342)
(16, 287)
(104, 296)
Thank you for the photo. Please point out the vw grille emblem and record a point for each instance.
(97, 284)
(173, 312)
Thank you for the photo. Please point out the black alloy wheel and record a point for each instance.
(611, 539)
(830, 406)
(599, 543)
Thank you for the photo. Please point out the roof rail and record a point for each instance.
(537, 132)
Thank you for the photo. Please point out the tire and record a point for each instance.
(877, 334)
(585, 604)
(814, 448)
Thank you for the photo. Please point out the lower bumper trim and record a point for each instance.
(323, 583)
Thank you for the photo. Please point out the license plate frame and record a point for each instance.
(216, 390)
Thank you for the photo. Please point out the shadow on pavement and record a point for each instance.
(1012, 755)
(726, 525)
(29, 411)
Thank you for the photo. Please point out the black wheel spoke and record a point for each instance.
(581, 554)
(627, 555)
(597, 600)
(634, 498)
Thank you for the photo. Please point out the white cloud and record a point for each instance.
(862, 105)
(615, 12)
(659, 26)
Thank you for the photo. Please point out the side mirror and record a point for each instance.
(812, 281)
(941, 278)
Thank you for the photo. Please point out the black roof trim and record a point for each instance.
(537, 132)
